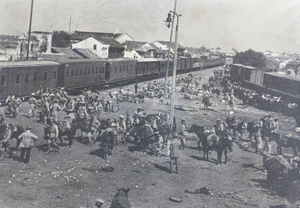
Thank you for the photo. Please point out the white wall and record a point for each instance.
(101, 49)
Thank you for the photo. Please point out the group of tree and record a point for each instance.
(251, 58)
(60, 39)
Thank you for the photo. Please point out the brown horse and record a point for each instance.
(287, 142)
(208, 142)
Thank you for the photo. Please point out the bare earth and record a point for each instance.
(74, 178)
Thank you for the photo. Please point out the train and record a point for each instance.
(279, 82)
(25, 77)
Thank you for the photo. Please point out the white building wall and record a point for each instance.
(123, 38)
(89, 43)
(132, 54)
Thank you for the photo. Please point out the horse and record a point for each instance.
(120, 200)
(287, 142)
(145, 132)
(206, 102)
(208, 141)
(108, 140)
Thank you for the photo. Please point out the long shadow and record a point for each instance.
(279, 206)
(280, 189)
(162, 168)
(251, 165)
(211, 160)
(42, 147)
(97, 152)
(134, 148)
(193, 148)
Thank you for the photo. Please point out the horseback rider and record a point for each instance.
(65, 129)
(219, 127)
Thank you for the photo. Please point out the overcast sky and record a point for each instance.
(257, 24)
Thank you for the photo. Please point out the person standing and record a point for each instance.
(54, 108)
(136, 87)
(27, 142)
(53, 135)
(32, 105)
(2, 115)
(6, 137)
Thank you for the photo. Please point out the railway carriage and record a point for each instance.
(148, 68)
(25, 77)
(79, 73)
(121, 69)
(239, 72)
(282, 82)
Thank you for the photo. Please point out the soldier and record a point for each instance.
(9, 101)
(6, 137)
(27, 142)
(32, 105)
(94, 127)
(2, 114)
(53, 135)
(54, 108)
(219, 128)
(183, 133)
(65, 129)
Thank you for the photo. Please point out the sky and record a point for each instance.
(241, 24)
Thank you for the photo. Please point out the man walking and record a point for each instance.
(27, 141)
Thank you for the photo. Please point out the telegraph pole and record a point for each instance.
(169, 19)
(29, 31)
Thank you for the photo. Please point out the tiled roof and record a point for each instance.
(85, 52)
(172, 44)
(69, 53)
(82, 35)
(111, 41)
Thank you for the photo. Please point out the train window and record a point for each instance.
(81, 72)
(26, 78)
(84, 71)
(67, 74)
(54, 75)
(34, 77)
(76, 72)
(45, 75)
(18, 79)
(2, 80)
(102, 69)
(72, 72)
(89, 70)
(93, 70)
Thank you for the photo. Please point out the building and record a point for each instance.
(104, 47)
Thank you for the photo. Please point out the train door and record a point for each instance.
(107, 72)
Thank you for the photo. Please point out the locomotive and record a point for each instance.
(25, 77)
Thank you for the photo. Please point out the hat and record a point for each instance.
(121, 116)
(113, 125)
(33, 94)
(218, 119)
(28, 128)
(157, 132)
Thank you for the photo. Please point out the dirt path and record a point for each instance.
(74, 178)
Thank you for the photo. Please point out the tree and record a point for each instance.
(251, 58)
(60, 39)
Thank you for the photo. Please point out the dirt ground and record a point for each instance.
(75, 177)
